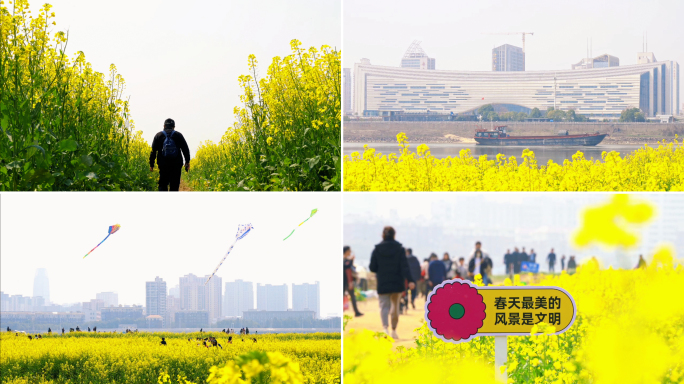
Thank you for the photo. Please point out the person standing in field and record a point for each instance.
(479, 263)
(551, 258)
(349, 279)
(414, 267)
(169, 148)
(641, 263)
(388, 262)
(563, 263)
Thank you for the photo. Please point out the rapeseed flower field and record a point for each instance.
(85, 357)
(629, 329)
(287, 134)
(63, 125)
(658, 168)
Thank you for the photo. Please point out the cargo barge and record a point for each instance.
(498, 137)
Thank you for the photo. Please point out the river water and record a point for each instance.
(543, 154)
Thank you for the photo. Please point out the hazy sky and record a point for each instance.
(182, 59)
(452, 222)
(168, 235)
(452, 31)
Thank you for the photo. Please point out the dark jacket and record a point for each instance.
(414, 267)
(436, 272)
(158, 145)
(484, 263)
(388, 262)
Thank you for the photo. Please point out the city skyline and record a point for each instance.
(463, 39)
(73, 223)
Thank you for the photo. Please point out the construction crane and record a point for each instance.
(514, 33)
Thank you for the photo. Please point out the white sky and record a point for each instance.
(452, 222)
(182, 59)
(452, 31)
(168, 235)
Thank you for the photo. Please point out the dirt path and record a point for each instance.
(371, 320)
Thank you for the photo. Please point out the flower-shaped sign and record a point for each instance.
(457, 310)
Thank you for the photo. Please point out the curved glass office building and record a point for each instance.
(596, 93)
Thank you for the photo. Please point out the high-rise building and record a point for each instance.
(172, 306)
(416, 58)
(213, 298)
(603, 61)
(192, 293)
(41, 285)
(239, 297)
(155, 297)
(307, 297)
(346, 91)
(4, 302)
(174, 291)
(272, 297)
(110, 299)
(508, 58)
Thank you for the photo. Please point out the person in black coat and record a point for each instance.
(388, 262)
(414, 267)
(170, 164)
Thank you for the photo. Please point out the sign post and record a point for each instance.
(457, 311)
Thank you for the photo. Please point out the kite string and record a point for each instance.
(97, 246)
(222, 260)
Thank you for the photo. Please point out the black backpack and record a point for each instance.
(169, 150)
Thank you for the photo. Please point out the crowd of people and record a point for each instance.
(401, 276)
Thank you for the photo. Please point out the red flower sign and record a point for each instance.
(455, 310)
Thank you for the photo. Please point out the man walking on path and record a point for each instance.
(414, 267)
(169, 148)
(551, 258)
(388, 262)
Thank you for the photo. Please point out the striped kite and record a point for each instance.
(313, 212)
(112, 229)
(243, 230)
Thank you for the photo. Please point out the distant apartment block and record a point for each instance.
(192, 319)
(272, 297)
(307, 297)
(122, 313)
(172, 306)
(41, 285)
(192, 292)
(110, 299)
(507, 58)
(213, 298)
(155, 297)
(238, 297)
(346, 91)
(416, 58)
(603, 61)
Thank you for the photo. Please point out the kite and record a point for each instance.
(313, 212)
(112, 229)
(243, 230)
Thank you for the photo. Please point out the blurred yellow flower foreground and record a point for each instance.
(629, 329)
(646, 169)
(85, 357)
